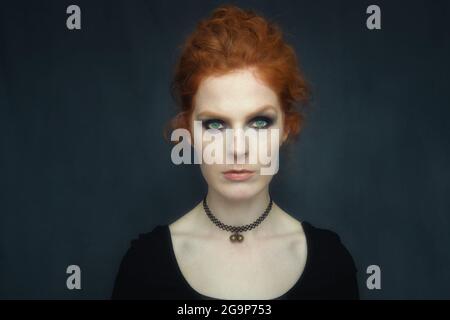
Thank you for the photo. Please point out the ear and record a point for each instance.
(285, 136)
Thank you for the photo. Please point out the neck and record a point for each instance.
(238, 212)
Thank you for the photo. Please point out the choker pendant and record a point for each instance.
(236, 237)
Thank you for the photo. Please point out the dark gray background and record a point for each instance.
(84, 167)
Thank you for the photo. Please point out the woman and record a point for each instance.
(236, 72)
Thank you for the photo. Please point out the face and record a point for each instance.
(242, 102)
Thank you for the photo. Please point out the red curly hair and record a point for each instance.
(233, 38)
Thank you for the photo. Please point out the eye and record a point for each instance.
(261, 122)
(213, 124)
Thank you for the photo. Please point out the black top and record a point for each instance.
(149, 269)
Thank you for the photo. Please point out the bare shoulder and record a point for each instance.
(186, 224)
(288, 225)
(291, 230)
(187, 238)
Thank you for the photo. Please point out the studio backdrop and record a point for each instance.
(84, 166)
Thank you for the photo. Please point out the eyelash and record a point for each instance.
(268, 120)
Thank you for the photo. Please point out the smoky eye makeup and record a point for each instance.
(213, 124)
(262, 122)
(258, 122)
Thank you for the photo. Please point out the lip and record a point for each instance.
(238, 175)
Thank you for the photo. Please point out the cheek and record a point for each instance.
(211, 171)
(266, 144)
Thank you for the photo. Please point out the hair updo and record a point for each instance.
(230, 39)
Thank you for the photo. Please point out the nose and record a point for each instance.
(237, 147)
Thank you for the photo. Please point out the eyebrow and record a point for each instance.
(251, 115)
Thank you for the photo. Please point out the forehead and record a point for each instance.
(234, 94)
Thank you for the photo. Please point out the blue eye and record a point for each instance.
(261, 122)
(213, 124)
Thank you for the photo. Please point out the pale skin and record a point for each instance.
(273, 255)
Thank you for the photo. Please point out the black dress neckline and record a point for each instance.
(306, 229)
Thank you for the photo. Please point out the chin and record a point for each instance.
(239, 191)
